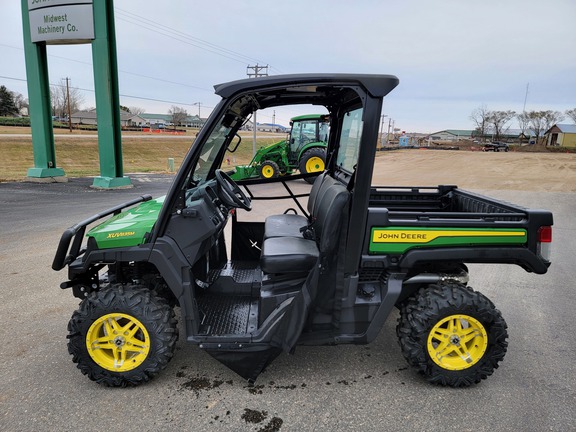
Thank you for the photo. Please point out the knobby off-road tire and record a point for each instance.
(122, 336)
(269, 169)
(313, 160)
(452, 335)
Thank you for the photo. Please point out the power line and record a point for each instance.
(178, 35)
(14, 79)
(123, 95)
(119, 70)
(183, 34)
(179, 39)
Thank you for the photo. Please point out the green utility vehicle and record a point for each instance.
(330, 275)
(304, 150)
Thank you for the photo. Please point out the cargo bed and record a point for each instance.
(440, 223)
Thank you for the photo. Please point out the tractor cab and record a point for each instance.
(307, 131)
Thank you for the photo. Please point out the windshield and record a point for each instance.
(209, 152)
(303, 132)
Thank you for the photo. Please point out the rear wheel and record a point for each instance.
(452, 335)
(122, 336)
(313, 160)
(269, 169)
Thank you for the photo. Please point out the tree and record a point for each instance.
(498, 120)
(480, 117)
(125, 109)
(7, 105)
(59, 97)
(20, 101)
(178, 115)
(541, 121)
(572, 114)
(136, 110)
(523, 122)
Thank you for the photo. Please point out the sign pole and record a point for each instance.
(72, 22)
(107, 98)
(40, 110)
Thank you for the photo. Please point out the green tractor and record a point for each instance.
(303, 150)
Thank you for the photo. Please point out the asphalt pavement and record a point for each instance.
(343, 388)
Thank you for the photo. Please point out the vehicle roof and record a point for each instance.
(309, 117)
(376, 85)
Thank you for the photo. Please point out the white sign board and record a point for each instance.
(61, 21)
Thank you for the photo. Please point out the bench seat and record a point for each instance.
(288, 255)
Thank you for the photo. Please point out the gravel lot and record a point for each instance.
(345, 388)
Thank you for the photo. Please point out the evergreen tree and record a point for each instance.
(7, 105)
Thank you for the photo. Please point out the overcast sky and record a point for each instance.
(451, 56)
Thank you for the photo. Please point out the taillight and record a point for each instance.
(544, 244)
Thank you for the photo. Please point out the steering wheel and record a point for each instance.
(231, 192)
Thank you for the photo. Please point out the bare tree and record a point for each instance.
(20, 101)
(572, 114)
(60, 99)
(178, 115)
(541, 121)
(480, 118)
(524, 123)
(136, 110)
(498, 121)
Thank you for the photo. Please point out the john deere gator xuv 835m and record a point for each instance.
(329, 275)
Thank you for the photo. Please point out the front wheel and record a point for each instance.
(269, 169)
(122, 336)
(452, 335)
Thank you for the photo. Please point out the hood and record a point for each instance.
(129, 227)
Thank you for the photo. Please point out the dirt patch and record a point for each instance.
(198, 383)
(254, 416)
(539, 172)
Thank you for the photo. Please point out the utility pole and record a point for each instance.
(388, 133)
(255, 72)
(68, 103)
(525, 98)
(274, 117)
(381, 129)
(199, 104)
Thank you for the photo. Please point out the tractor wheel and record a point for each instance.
(452, 335)
(269, 169)
(122, 336)
(313, 160)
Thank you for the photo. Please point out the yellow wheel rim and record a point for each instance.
(457, 342)
(118, 342)
(314, 164)
(267, 171)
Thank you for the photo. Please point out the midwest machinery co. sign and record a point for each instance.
(61, 21)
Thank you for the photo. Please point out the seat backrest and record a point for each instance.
(314, 191)
(329, 216)
(321, 185)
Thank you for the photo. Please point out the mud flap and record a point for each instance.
(248, 363)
